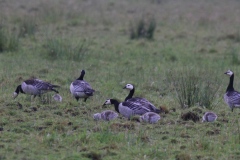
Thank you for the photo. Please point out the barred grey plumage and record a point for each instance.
(105, 115)
(35, 87)
(139, 100)
(209, 117)
(128, 109)
(150, 117)
(231, 97)
(80, 88)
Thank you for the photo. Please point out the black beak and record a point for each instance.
(103, 104)
(225, 73)
(124, 87)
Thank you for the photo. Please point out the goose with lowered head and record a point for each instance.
(34, 87)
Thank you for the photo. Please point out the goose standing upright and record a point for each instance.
(231, 97)
(128, 108)
(140, 100)
(80, 88)
(34, 87)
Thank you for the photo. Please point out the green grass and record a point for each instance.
(202, 35)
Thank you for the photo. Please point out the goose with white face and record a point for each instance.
(230, 73)
(107, 102)
(128, 86)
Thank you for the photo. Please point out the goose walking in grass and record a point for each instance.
(34, 87)
(209, 117)
(140, 100)
(231, 97)
(105, 115)
(127, 108)
(150, 117)
(80, 88)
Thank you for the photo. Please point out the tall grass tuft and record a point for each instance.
(235, 57)
(60, 48)
(144, 28)
(194, 87)
(27, 27)
(9, 40)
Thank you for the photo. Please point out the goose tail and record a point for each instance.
(55, 86)
(158, 111)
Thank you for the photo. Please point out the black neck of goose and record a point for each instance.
(130, 95)
(116, 104)
(230, 85)
(19, 89)
(81, 77)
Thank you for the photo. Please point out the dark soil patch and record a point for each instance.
(93, 156)
(190, 116)
(224, 120)
(183, 156)
(164, 109)
(164, 132)
(111, 146)
(213, 132)
(20, 120)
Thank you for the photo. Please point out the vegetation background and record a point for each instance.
(174, 51)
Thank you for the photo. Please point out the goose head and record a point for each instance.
(230, 73)
(107, 102)
(83, 72)
(97, 116)
(19, 89)
(203, 119)
(15, 95)
(128, 86)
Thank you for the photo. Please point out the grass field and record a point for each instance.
(54, 40)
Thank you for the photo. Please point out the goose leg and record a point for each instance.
(85, 99)
(77, 98)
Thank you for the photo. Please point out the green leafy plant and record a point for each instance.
(144, 28)
(194, 87)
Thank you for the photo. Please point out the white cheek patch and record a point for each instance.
(129, 86)
(107, 102)
(15, 95)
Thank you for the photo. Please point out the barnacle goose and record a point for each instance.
(231, 97)
(140, 100)
(105, 115)
(34, 87)
(150, 117)
(209, 117)
(128, 108)
(80, 88)
(57, 97)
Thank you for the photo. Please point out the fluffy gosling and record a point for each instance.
(150, 117)
(105, 115)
